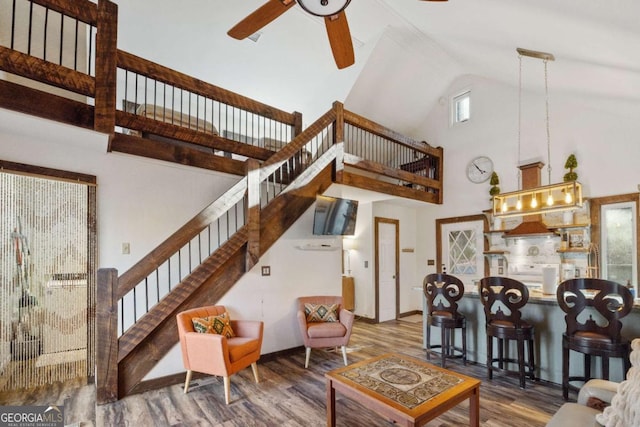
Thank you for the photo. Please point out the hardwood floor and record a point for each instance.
(289, 395)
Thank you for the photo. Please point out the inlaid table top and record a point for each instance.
(405, 389)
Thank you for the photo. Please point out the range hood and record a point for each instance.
(530, 229)
(532, 225)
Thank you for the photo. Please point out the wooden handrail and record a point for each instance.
(43, 71)
(136, 64)
(281, 156)
(160, 254)
(168, 305)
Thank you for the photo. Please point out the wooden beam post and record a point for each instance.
(106, 67)
(440, 176)
(253, 213)
(531, 178)
(338, 140)
(297, 125)
(107, 336)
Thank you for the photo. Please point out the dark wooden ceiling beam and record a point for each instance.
(181, 133)
(41, 104)
(171, 152)
(392, 189)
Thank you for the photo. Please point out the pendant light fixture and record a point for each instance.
(558, 197)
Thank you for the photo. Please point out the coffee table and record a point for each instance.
(404, 389)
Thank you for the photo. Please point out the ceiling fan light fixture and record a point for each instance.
(324, 7)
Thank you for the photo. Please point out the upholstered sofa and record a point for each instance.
(623, 397)
(579, 414)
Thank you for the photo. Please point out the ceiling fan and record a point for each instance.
(331, 10)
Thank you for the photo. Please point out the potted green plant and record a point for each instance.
(494, 181)
(571, 164)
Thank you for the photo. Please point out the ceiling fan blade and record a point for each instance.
(259, 18)
(340, 39)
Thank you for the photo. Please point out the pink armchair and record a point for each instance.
(322, 334)
(215, 354)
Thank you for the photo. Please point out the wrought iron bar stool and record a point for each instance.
(443, 292)
(581, 299)
(497, 293)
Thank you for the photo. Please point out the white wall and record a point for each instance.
(363, 277)
(604, 135)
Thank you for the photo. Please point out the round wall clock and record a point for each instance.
(479, 169)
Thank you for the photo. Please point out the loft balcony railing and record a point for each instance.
(160, 103)
(70, 45)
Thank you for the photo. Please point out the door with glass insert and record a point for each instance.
(462, 246)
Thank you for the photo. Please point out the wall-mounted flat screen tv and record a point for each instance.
(334, 216)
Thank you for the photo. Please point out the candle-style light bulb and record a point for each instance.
(550, 199)
(519, 204)
(567, 198)
(534, 201)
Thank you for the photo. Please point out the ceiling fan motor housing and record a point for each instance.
(324, 7)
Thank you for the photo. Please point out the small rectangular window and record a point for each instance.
(461, 107)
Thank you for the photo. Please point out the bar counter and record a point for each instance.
(543, 312)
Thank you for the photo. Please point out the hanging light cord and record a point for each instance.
(519, 120)
(546, 96)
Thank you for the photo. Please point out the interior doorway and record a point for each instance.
(47, 277)
(387, 268)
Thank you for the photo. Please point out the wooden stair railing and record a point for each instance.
(125, 357)
(284, 180)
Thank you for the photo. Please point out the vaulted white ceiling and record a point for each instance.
(407, 51)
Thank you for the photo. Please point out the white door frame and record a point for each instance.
(377, 221)
(442, 223)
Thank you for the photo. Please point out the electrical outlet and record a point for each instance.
(266, 270)
(126, 249)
